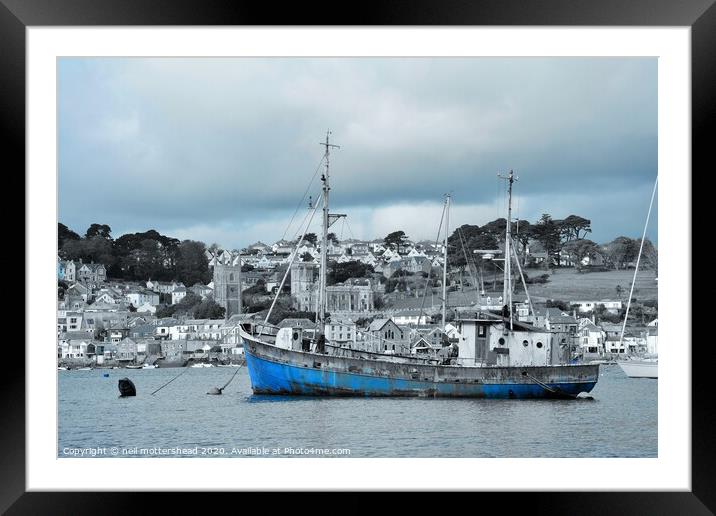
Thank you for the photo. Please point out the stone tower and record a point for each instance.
(304, 277)
(226, 288)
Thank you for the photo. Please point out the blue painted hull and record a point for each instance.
(274, 376)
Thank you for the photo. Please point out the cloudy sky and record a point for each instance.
(222, 150)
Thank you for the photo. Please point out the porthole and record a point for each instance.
(525, 343)
(539, 344)
(501, 341)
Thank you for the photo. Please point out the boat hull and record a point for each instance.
(640, 368)
(274, 370)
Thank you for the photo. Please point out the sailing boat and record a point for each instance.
(499, 358)
(639, 366)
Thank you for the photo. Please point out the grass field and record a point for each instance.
(564, 284)
(568, 285)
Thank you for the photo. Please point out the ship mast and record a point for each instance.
(324, 237)
(507, 278)
(445, 257)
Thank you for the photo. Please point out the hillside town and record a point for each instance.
(383, 296)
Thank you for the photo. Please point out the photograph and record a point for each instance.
(357, 257)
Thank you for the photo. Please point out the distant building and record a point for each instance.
(226, 288)
(411, 317)
(384, 336)
(91, 272)
(612, 307)
(304, 276)
(178, 294)
(341, 332)
(352, 298)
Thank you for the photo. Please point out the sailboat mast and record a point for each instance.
(445, 256)
(324, 236)
(507, 278)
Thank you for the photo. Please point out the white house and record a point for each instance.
(341, 332)
(141, 297)
(411, 317)
(178, 294)
(591, 338)
(589, 306)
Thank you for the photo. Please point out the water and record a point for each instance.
(182, 420)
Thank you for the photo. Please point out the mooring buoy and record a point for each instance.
(126, 388)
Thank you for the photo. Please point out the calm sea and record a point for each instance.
(620, 420)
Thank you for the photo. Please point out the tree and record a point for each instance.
(65, 234)
(208, 309)
(311, 237)
(580, 249)
(621, 251)
(547, 233)
(395, 240)
(192, 266)
(522, 234)
(306, 257)
(332, 238)
(573, 226)
(649, 255)
(340, 272)
(99, 230)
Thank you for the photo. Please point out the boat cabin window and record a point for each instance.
(525, 343)
(539, 344)
(501, 341)
(480, 330)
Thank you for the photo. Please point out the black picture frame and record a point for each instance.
(700, 15)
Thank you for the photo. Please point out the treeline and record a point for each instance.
(137, 256)
(557, 237)
(192, 306)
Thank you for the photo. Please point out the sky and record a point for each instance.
(222, 149)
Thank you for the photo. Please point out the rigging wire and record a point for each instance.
(638, 258)
(293, 257)
(427, 280)
(298, 206)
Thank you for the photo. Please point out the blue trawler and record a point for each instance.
(497, 356)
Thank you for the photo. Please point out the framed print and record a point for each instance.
(416, 250)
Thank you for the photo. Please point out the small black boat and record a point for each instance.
(126, 388)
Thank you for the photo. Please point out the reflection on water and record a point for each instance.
(617, 419)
